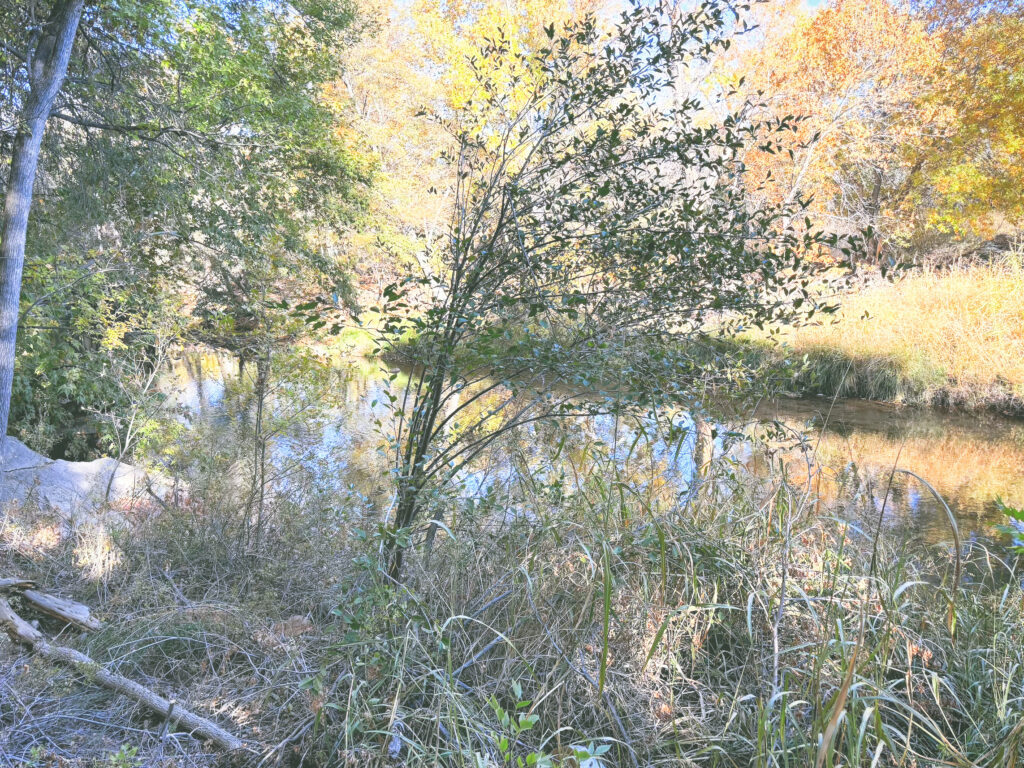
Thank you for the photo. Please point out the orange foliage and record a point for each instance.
(858, 71)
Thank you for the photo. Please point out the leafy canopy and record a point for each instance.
(593, 208)
(192, 169)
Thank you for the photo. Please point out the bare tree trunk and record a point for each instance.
(257, 499)
(48, 65)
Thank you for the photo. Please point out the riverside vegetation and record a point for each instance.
(741, 621)
(541, 542)
(952, 338)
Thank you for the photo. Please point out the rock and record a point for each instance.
(70, 488)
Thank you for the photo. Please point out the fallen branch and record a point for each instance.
(20, 631)
(67, 611)
(15, 585)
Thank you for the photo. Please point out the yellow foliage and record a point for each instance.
(416, 59)
(454, 33)
(979, 182)
(913, 119)
(857, 70)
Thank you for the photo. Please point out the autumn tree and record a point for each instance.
(974, 185)
(411, 58)
(857, 74)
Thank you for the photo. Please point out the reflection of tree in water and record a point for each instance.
(326, 433)
(601, 454)
(969, 470)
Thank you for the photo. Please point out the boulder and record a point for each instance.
(69, 488)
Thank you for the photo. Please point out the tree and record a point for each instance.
(413, 57)
(46, 64)
(974, 183)
(592, 213)
(858, 73)
(192, 161)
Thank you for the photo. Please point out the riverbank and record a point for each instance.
(743, 625)
(952, 339)
(593, 586)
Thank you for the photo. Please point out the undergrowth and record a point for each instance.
(613, 624)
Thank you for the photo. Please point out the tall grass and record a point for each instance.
(954, 337)
(732, 626)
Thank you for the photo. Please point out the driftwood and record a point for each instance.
(20, 631)
(15, 585)
(59, 608)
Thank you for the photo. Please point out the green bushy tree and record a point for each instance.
(596, 209)
(191, 162)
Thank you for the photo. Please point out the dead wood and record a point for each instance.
(20, 631)
(15, 585)
(60, 608)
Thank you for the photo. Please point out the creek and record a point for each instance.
(842, 451)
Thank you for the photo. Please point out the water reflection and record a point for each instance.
(970, 460)
(843, 451)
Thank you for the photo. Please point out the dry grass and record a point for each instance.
(730, 627)
(953, 337)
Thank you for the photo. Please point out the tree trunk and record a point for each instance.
(47, 67)
(874, 212)
(254, 518)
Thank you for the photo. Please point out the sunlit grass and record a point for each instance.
(955, 337)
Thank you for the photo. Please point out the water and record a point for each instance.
(843, 451)
(971, 461)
